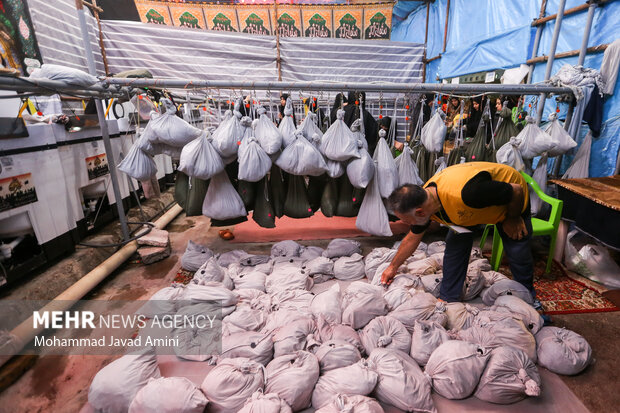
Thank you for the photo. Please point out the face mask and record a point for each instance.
(382, 133)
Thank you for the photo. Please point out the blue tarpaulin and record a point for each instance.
(485, 35)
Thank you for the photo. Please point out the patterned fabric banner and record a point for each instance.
(255, 20)
(362, 21)
(348, 22)
(221, 18)
(317, 22)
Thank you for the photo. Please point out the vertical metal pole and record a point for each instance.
(551, 57)
(582, 58)
(278, 59)
(90, 60)
(425, 44)
(539, 30)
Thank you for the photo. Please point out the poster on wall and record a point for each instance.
(348, 22)
(221, 18)
(18, 44)
(377, 23)
(255, 20)
(189, 16)
(16, 191)
(289, 21)
(317, 22)
(151, 12)
(97, 166)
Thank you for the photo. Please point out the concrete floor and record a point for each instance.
(60, 383)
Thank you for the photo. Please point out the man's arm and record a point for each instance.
(513, 225)
(407, 247)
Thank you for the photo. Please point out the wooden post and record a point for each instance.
(103, 54)
(445, 32)
(278, 59)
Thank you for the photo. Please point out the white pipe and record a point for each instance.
(25, 331)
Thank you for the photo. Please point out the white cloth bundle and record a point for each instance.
(509, 154)
(372, 216)
(355, 128)
(65, 74)
(138, 164)
(267, 133)
(361, 170)
(199, 158)
(562, 140)
(169, 395)
(434, 133)
(222, 200)
(335, 169)
(580, 166)
(227, 137)
(231, 383)
(308, 126)
(302, 158)
(171, 130)
(287, 125)
(254, 161)
(540, 176)
(386, 170)
(408, 172)
(339, 143)
(533, 140)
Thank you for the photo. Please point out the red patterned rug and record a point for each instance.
(559, 293)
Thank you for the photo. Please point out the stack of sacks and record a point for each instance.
(285, 349)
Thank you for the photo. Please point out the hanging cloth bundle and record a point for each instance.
(228, 135)
(287, 125)
(189, 193)
(254, 162)
(540, 176)
(339, 143)
(457, 152)
(308, 126)
(329, 198)
(169, 129)
(533, 140)
(222, 200)
(562, 140)
(580, 167)
(200, 159)
(302, 158)
(386, 171)
(264, 214)
(373, 217)
(138, 164)
(297, 204)
(509, 154)
(440, 164)
(269, 137)
(360, 171)
(434, 133)
(477, 151)
(277, 184)
(506, 129)
(356, 129)
(408, 172)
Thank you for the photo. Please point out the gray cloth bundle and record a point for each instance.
(334, 354)
(195, 256)
(357, 378)
(562, 351)
(254, 161)
(385, 332)
(339, 143)
(426, 337)
(199, 159)
(293, 377)
(231, 383)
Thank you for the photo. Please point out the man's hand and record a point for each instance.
(514, 228)
(388, 275)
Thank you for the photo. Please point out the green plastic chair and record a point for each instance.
(539, 227)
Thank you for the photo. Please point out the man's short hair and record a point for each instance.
(406, 198)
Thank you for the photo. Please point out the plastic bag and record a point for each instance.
(254, 162)
(222, 200)
(385, 332)
(509, 154)
(534, 141)
(455, 368)
(562, 140)
(401, 383)
(227, 137)
(386, 169)
(302, 158)
(562, 351)
(138, 164)
(509, 377)
(65, 74)
(591, 261)
(231, 383)
(292, 377)
(407, 169)
(115, 386)
(297, 204)
(171, 130)
(373, 217)
(580, 166)
(434, 133)
(200, 159)
(339, 143)
(267, 133)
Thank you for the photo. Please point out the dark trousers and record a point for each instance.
(458, 250)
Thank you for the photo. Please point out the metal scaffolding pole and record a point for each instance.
(554, 43)
(539, 31)
(582, 56)
(447, 88)
(103, 123)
